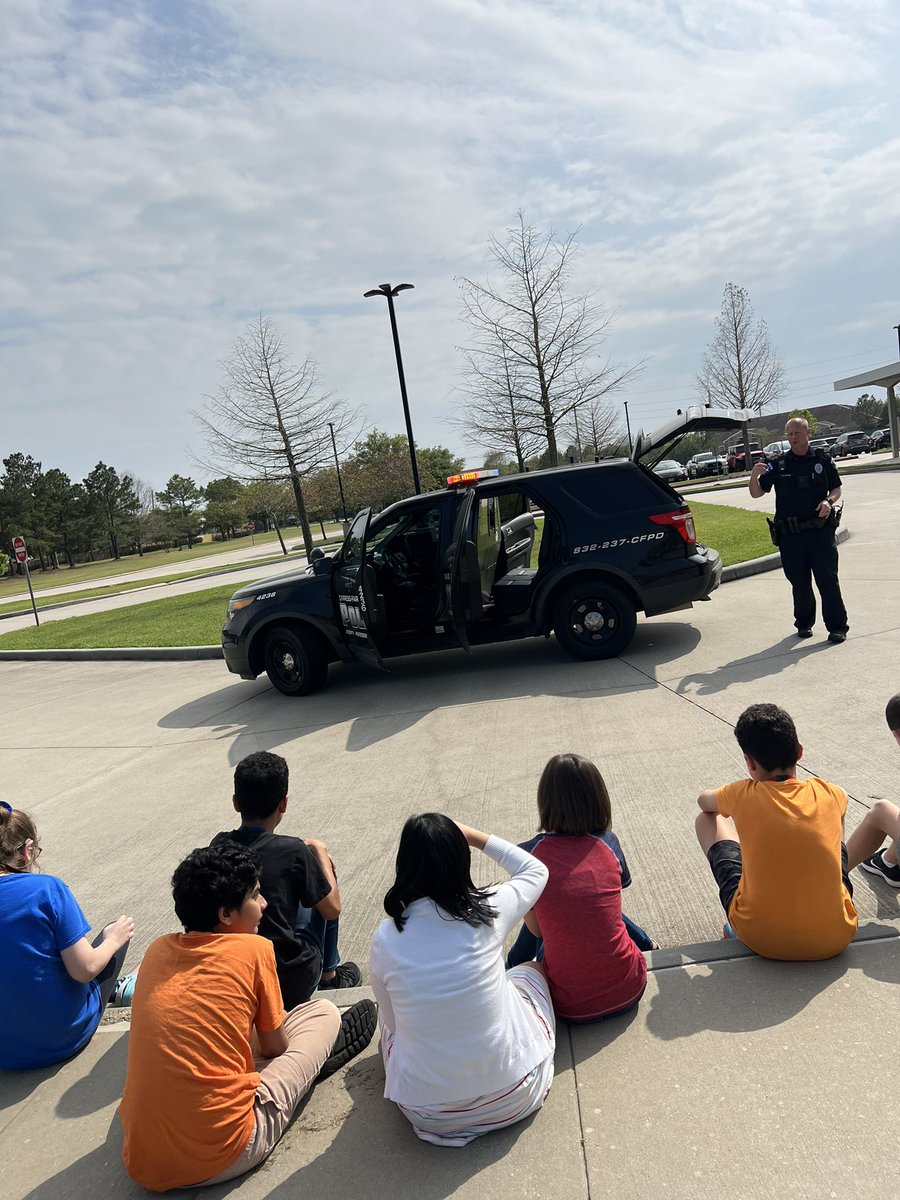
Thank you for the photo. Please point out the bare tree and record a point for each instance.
(741, 367)
(534, 355)
(269, 420)
(595, 426)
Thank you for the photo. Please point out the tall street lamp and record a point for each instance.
(389, 293)
(628, 427)
(337, 467)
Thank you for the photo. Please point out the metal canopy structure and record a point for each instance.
(887, 377)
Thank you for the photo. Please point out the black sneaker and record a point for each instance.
(358, 1025)
(877, 866)
(346, 975)
(804, 633)
(837, 638)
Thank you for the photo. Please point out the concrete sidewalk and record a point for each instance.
(736, 1077)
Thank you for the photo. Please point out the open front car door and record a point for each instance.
(355, 595)
(462, 580)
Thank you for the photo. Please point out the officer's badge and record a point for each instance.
(819, 468)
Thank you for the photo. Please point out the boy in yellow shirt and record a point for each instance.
(775, 846)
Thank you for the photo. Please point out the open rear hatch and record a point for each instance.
(694, 419)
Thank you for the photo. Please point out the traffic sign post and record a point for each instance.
(21, 552)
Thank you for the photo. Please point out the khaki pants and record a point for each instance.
(311, 1029)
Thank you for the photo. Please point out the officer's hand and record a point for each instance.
(759, 468)
(824, 509)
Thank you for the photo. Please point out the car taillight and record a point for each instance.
(681, 520)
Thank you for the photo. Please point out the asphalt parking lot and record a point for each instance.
(127, 766)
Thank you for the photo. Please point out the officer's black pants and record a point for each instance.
(810, 555)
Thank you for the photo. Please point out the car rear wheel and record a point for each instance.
(594, 620)
(296, 660)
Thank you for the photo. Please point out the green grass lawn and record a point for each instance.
(736, 533)
(196, 619)
(116, 589)
(159, 558)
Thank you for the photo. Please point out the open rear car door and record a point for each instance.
(695, 419)
(355, 593)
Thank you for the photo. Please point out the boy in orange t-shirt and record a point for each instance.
(215, 1066)
(781, 866)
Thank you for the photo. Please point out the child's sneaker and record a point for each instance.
(877, 866)
(123, 991)
(346, 975)
(358, 1026)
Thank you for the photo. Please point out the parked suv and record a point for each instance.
(736, 457)
(706, 464)
(851, 443)
(577, 551)
(881, 439)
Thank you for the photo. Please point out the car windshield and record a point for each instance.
(668, 465)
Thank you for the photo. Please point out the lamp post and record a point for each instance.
(628, 427)
(337, 467)
(389, 293)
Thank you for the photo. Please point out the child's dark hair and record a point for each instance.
(211, 878)
(767, 734)
(434, 860)
(16, 830)
(572, 797)
(892, 713)
(260, 784)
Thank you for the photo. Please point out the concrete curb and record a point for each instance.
(667, 959)
(755, 566)
(115, 654)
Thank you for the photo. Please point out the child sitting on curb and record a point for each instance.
(590, 950)
(297, 878)
(782, 875)
(54, 983)
(881, 821)
(215, 1066)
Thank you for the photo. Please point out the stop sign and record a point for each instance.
(19, 549)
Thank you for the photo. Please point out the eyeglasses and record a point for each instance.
(36, 849)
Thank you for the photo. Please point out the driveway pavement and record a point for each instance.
(747, 1080)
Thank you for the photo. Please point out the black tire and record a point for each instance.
(296, 660)
(594, 620)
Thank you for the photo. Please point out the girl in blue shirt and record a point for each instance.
(54, 984)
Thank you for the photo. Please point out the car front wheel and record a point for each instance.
(296, 661)
(594, 620)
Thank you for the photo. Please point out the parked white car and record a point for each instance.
(706, 464)
(670, 470)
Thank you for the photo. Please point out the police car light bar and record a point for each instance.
(471, 477)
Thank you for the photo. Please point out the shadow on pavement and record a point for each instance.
(784, 654)
(253, 716)
(102, 1085)
(738, 995)
(98, 1173)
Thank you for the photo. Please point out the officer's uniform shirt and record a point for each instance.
(801, 482)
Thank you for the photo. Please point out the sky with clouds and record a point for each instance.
(172, 168)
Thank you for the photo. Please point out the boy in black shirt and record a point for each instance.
(298, 881)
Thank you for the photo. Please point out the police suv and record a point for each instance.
(466, 566)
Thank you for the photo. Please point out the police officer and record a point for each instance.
(807, 487)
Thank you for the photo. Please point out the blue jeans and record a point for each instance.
(527, 947)
(313, 928)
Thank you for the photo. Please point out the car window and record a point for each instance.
(606, 490)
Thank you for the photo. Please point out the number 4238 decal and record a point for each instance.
(625, 541)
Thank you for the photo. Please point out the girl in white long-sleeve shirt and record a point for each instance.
(468, 1046)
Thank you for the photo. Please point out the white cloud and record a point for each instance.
(171, 170)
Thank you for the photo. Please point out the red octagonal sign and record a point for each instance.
(19, 549)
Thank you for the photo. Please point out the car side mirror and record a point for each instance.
(322, 566)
